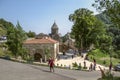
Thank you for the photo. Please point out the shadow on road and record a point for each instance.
(38, 68)
(44, 70)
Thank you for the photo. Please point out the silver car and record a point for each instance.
(117, 67)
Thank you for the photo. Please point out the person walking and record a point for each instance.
(110, 66)
(91, 67)
(94, 66)
(72, 56)
(51, 64)
(84, 64)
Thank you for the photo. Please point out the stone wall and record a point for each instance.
(40, 48)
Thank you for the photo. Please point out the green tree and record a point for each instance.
(5, 27)
(47, 53)
(86, 28)
(111, 8)
(115, 34)
(105, 41)
(15, 38)
(2, 31)
(31, 34)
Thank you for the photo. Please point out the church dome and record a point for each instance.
(54, 26)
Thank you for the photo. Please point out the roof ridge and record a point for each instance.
(43, 40)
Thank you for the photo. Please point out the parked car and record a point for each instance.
(117, 67)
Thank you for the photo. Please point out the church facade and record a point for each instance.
(37, 48)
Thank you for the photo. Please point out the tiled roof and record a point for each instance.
(41, 41)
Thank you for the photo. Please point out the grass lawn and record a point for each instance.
(102, 58)
(1, 52)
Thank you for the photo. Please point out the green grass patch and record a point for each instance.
(109, 76)
(1, 52)
(102, 58)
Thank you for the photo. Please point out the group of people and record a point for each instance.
(93, 66)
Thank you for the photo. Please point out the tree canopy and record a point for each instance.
(111, 8)
(31, 34)
(86, 28)
(15, 38)
(4, 27)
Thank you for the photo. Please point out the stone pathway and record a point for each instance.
(67, 62)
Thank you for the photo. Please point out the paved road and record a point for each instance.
(18, 71)
(75, 74)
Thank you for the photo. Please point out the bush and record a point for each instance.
(117, 54)
(104, 62)
(30, 59)
(75, 64)
(80, 67)
(108, 76)
(85, 68)
(1, 52)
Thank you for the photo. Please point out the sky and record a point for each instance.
(39, 15)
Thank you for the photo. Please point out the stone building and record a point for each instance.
(37, 47)
(68, 43)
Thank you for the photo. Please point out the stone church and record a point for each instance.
(54, 32)
(36, 47)
(52, 42)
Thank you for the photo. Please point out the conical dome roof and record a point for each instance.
(54, 26)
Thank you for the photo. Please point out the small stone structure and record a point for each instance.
(37, 47)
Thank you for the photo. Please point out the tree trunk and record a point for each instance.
(81, 46)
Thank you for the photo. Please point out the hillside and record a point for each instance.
(104, 18)
(4, 27)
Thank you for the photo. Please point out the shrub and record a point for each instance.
(75, 64)
(104, 62)
(30, 59)
(107, 75)
(79, 67)
(85, 68)
(57, 64)
(1, 52)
